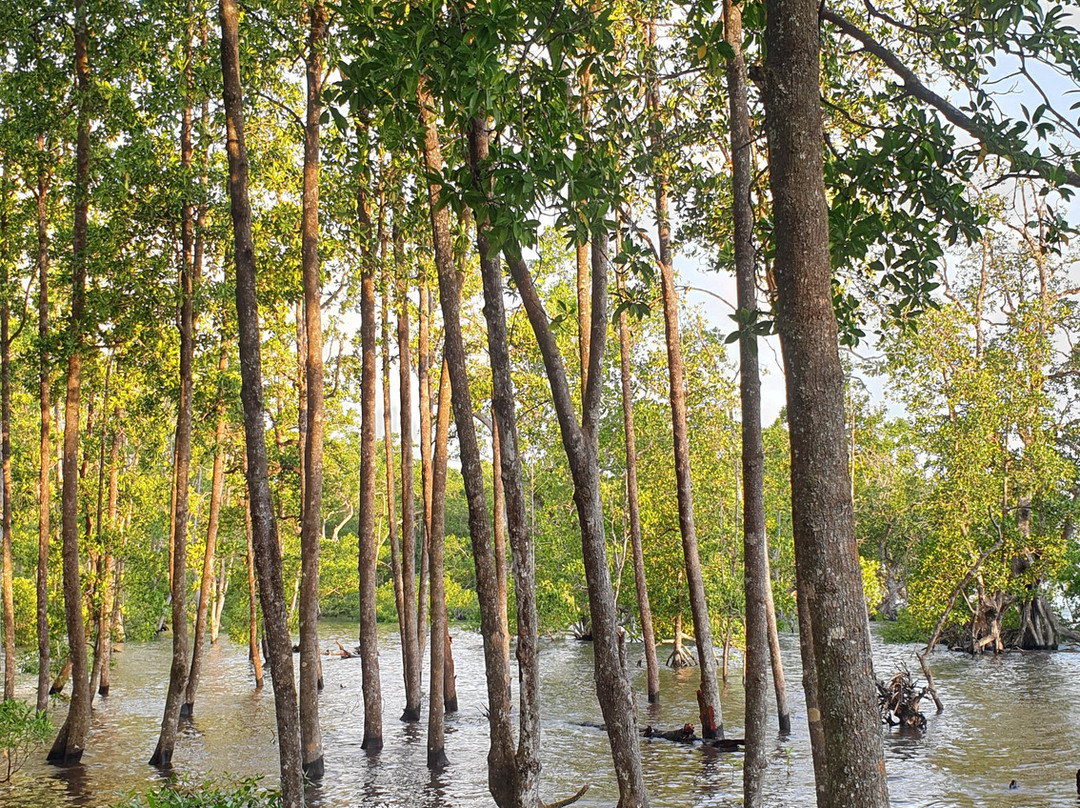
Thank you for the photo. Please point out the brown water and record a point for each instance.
(1007, 718)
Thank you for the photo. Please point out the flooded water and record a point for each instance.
(1009, 718)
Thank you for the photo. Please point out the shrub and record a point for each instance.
(186, 794)
(21, 731)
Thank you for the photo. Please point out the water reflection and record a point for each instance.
(1008, 718)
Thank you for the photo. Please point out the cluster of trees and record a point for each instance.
(496, 190)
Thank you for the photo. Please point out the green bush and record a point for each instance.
(905, 628)
(21, 731)
(186, 794)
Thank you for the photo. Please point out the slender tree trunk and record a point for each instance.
(498, 517)
(44, 450)
(580, 443)
(826, 556)
(423, 364)
(178, 671)
(6, 580)
(496, 665)
(755, 557)
(519, 787)
(217, 484)
(436, 743)
(71, 739)
(264, 529)
(311, 522)
(253, 619)
(367, 550)
(712, 722)
(783, 714)
(652, 675)
(392, 536)
(408, 511)
(99, 679)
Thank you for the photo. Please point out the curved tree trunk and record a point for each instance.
(71, 739)
(263, 527)
(518, 786)
(580, 443)
(712, 721)
(853, 774)
(496, 664)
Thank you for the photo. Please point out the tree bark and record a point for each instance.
(71, 739)
(44, 451)
(311, 522)
(755, 554)
(178, 670)
(580, 443)
(496, 664)
(783, 714)
(411, 638)
(264, 529)
(423, 363)
(99, 680)
(392, 536)
(648, 635)
(436, 743)
(517, 787)
(217, 484)
(712, 721)
(367, 555)
(6, 579)
(253, 620)
(827, 565)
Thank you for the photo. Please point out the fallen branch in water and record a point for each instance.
(568, 801)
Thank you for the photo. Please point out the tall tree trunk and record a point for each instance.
(367, 555)
(174, 698)
(217, 484)
(496, 664)
(712, 722)
(311, 528)
(436, 743)
(822, 516)
(6, 579)
(519, 786)
(44, 450)
(264, 529)
(423, 376)
(408, 511)
(580, 443)
(652, 675)
(755, 557)
(71, 739)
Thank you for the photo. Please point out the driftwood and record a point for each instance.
(898, 701)
(684, 734)
(726, 744)
(342, 652)
(568, 800)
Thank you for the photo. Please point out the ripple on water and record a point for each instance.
(1006, 718)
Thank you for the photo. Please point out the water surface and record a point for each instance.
(1006, 718)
